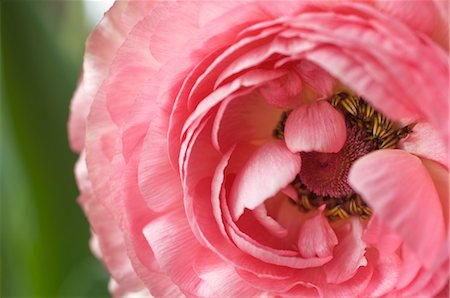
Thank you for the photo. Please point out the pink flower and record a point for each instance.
(267, 148)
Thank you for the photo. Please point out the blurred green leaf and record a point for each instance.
(44, 235)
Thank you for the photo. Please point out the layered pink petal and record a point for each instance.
(441, 180)
(316, 77)
(382, 237)
(130, 70)
(385, 275)
(268, 222)
(316, 237)
(315, 127)
(409, 269)
(222, 276)
(269, 170)
(179, 22)
(418, 15)
(247, 118)
(283, 92)
(109, 240)
(101, 48)
(399, 189)
(159, 183)
(164, 236)
(425, 141)
(348, 255)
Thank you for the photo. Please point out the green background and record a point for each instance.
(44, 235)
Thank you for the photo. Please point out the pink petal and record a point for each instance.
(316, 77)
(316, 237)
(398, 188)
(381, 237)
(283, 92)
(427, 284)
(101, 48)
(268, 222)
(108, 239)
(418, 15)
(164, 236)
(409, 269)
(222, 276)
(177, 24)
(248, 111)
(159, 183)
(285, 258)
(354, 287)
(440, 176)
(130, 69)
(426, 142)
(315, 127)
(270, 169)
(385, 275)
(348, 255)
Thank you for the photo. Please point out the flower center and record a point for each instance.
(323, 179)
(325, 174)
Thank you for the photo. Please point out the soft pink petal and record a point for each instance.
(385, 275)
(270, 169)
(316, 237)
(316, 77)
(382, 237)
(109, 240)
(354, 287)
(268, 222)
(348, 255)
(425, 141)
(222, 276)
(409, 269)
(236, 113)
(427, 284)
(208, 221)
(159, 183)
(251, 79)
(418, 15)
(285, 258)
(179, 21)
(315, 127)
(101, 48)
(441, 30)
(441, 179)
(398, 188)
(283, 92)
(130, 69)
(164, 236)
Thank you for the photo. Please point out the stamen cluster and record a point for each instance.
(382, 132)
(367, 130)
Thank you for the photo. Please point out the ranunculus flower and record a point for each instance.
(284, 148)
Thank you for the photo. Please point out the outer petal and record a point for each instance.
(315, 127)
(270, 169)
(165, 235)
(108, 242)
(400, 190)
(101, 47)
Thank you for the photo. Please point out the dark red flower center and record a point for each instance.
(325, 174)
